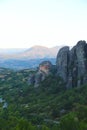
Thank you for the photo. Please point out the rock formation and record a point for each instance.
(62, 62)
(72, 64)
(43, 71)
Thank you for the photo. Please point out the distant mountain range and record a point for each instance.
(40, 52)
(27, 58)
(35, 52)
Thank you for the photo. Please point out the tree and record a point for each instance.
(69, 122)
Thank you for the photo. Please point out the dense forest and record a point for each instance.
(48, 107)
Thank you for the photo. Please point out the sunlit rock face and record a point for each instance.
(45, 67)
(44, 70)
(72, 64)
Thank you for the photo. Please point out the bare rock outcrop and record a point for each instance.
(43, 71)
(72, 64)
(62, 62)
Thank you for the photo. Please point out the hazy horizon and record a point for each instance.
(32, 46)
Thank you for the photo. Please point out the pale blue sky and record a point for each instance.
(24, 23)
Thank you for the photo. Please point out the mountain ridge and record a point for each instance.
(34, 52)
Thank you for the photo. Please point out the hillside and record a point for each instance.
(44, 106)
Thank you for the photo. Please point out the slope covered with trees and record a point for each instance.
(48, 107)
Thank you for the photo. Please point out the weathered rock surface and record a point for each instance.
(43, 71)
(72, 64)
(62, 62)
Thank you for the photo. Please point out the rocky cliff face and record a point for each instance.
(72, 64)
(62, 62)
(43, 71)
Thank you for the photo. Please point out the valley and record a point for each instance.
(44, 98)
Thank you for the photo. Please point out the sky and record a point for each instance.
(25, 23)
